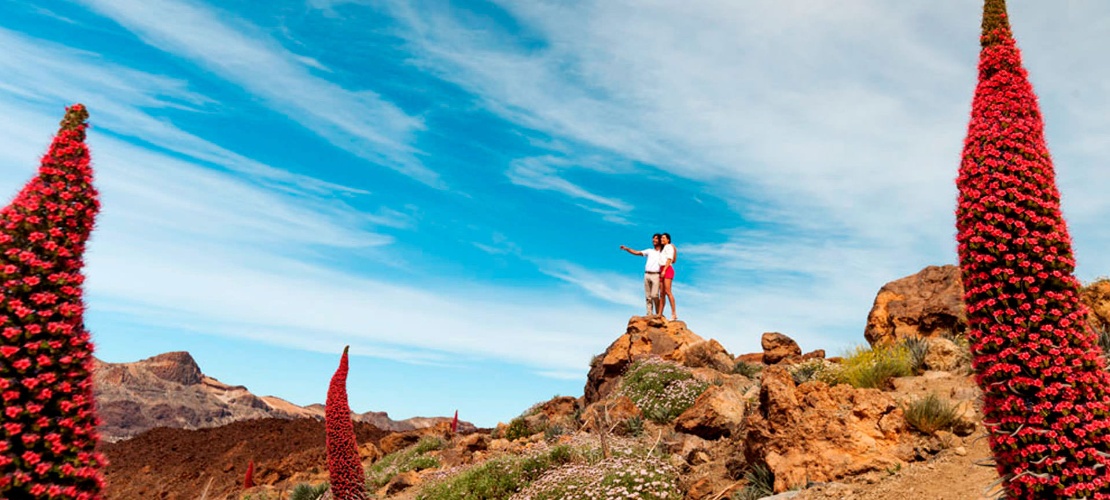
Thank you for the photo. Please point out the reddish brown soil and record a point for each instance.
(177, 464)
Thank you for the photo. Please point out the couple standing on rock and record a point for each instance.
(658, 273)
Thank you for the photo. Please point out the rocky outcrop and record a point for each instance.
(942, 354)
(926, 304)
(778, 347)
(717, 413)
(930, 304)
(645, 336)
(708, 354)
(169, 390)
(818, 433)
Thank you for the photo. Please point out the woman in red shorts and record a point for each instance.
(666, 275)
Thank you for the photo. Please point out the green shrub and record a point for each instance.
(500, 477)
(761, 483)
(930, 414)
(661, 389)
(874, 368)
(308, 492)
(518, 428)
(414, 457)
(810, 369)
(749, 370)
(552, 432)
(635, 426)
(917, 348)
(429, 443)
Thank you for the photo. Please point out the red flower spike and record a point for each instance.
(48, 447)
(1046, 394)
(455, 423)
(344, 467)
(248, 479)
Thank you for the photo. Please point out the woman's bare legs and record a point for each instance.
(668, 295)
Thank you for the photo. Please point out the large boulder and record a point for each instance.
(645, 336)
(708, 354)
(778, 347)
(804, 433)
(717, 413)
(926, 304)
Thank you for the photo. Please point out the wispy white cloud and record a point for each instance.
(543, 173)
(359, 121)
(607, 286)
(44, 73)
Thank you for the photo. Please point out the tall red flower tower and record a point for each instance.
(48, 432)
(345, 473)
(1044, 385)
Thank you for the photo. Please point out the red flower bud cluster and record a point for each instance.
(48, 432)
(1045, 387)
(344, 467)
(248, 479)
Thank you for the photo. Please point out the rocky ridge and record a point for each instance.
(169, 390)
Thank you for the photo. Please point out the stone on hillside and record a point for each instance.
(717, 413)
(967, 418)
(814, 432)
(1097, 298)
(816, 354)
(398, 441)
(610, 413)
(778, 347)
(942, 354)
(369, 452)
(558, 408)
(645, 336)
(399, 483)
(708, 354)
(927, 304)
(754, 358)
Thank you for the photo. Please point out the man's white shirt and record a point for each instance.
(654, 260)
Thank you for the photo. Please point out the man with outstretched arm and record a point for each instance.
(651, 273)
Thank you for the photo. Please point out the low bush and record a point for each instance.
(308, 492)
(761, 483)
(930, 414)
(662, 390)
(415, 457)
(500, 477)
(749, 370)
(518, 428)
(874, 368)
(810, 369)
(917, 348)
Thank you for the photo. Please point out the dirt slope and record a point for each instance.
(178, 464)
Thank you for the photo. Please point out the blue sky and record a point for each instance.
(444, 186)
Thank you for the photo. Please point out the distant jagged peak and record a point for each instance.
(177, 366)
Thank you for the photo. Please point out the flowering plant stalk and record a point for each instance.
(1045, 398)
(48, 433)
(345, 473)
(248, 479)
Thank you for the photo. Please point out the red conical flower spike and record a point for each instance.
(1045, 389)
(248, 480)
(344, 467)
(455, 423)
(48, 432)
